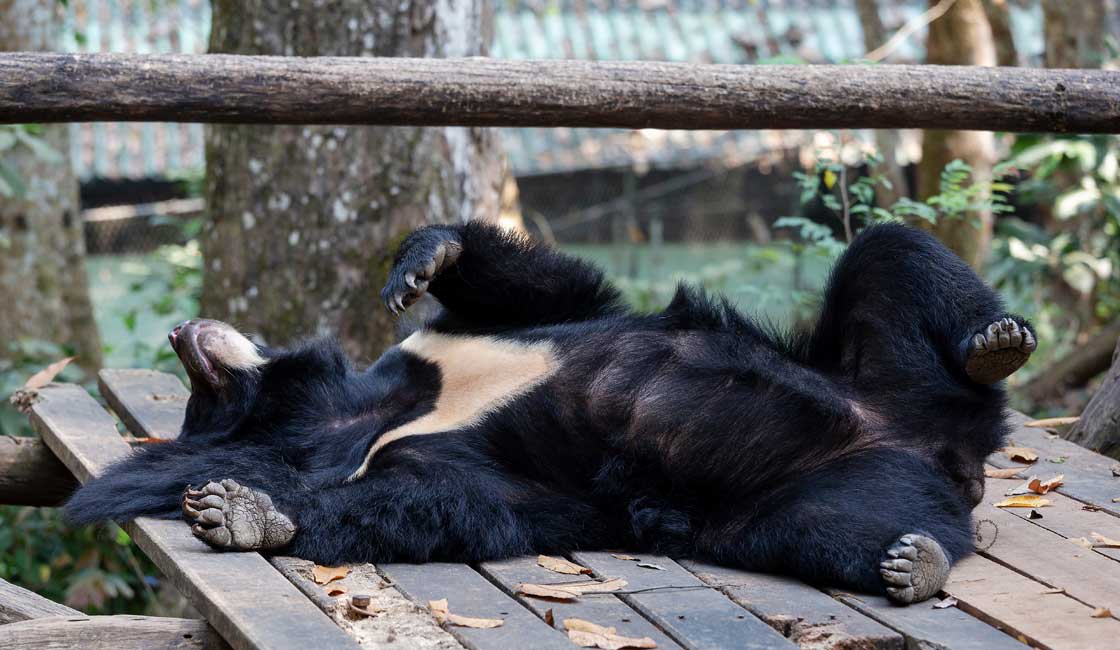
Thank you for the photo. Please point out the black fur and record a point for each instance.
(691, 431)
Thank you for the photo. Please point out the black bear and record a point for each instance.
(535, 413)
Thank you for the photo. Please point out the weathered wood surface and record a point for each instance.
(30, 475)
(693, 614)
(927, 628)
(1024, 608)
(602, 609)
(801, 613)
(19, 604)
(109, 633)
(240, 594)
(1088, 476)
(494, 92)
(148, 402)
(470, 594)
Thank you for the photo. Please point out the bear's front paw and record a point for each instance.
(230, 516)
(423, 255)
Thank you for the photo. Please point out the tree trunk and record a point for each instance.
(961, 37)
(304, 220)
(999, 17)
(1074, 33)
(42, 253)
(886, 140)
(1099, 426)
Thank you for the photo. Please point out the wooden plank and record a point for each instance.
(1065, 516)
(1088, 476)
(45, 87)
(470, 594)
(19, 604)
(30, 475)
(926, 628)
(116, 632)
(148, 402)
(693, 614)
(1019, 605)
(602, 609)
(240, 594)
(803, 614)
(1050, 559)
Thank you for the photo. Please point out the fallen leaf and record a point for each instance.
(1051, 592)
(1101, 612)
(1022, 488)
(1091, 507)
(948, 602)
(650, 565)
(1023, 501)
(336, 590)
(1034, 515)
(623, 556)
(325, 574)
(1051, 423)
(549, 618)
(46, 375)
(1116, 499)
(1100, 541)
(1042, 487)
(560, 565)
(443, 615)
(569, 590)
(1083, 542)
(589, 635)
(1058, 459)
(996, 472)
(1021, 454)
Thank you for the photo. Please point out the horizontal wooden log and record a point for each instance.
(31, 475)
(117, 632)
(496, 92)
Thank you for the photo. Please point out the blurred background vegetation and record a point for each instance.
(112, 233)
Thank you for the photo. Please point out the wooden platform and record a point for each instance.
(1029, 585)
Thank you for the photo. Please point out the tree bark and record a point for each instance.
(233, 89)
(886, 140)
(999, 17)
(42, 252)
(1074, 33)
(304, 220)
(961, 37)
(1099, 426)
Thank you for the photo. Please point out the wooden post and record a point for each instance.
(495, 92)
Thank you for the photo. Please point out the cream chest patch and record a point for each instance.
(478, 375)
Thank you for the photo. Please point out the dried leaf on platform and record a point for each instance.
(1039, 486)
(948, 602)
(650, 565)
(1023, 501)
(569, 590)
(1091, 507)
(589, 635)
(560, 565)
(1101, 612)
(443, 615)
(549, 618)
(623, 556)
(336, 590)
(1052, 423)
(998, 472)
(1021, 454)
(46, 375)
(1100, 541)
(1083, 542)
(1035, 515)
(325, 574)
(1051, 592)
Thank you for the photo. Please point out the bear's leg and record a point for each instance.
(885, 524)
(900, 306)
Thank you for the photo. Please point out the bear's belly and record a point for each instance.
(478, 375)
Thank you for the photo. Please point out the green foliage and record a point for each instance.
(854, 206)
(21, 135)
